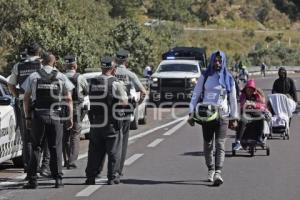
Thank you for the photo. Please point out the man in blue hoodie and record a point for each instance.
(215, 87)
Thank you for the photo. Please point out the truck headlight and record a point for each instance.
(154, 79)
(194, 81)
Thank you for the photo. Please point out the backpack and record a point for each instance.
(26, 68)
(48, 90)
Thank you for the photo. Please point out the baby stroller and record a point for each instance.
(252, 140)
(282, 109)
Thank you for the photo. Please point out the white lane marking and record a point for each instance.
(81, 156)
(22, 177)
(175, 128)
(140, 135)
(88, 191)
(132, 159)
(155, 142)
(157, 128)
(92, 188)
(6, 183)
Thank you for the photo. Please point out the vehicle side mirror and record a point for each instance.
(4, 101)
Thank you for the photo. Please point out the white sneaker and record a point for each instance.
(210, 176)
(218, 178)
(237, 146)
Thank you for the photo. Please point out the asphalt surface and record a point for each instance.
(165, 161)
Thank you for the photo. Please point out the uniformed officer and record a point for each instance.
(30, 62)
(46, 87)
(71, 137)
(105, 93)
(130, 80)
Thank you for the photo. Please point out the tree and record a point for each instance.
(130, 36)
(124, 8)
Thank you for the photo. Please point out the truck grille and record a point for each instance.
(173, 82)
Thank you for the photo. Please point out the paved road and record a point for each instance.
(165, 161)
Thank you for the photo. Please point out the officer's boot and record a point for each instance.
(58, 183)
(31, 184)
(90, 181)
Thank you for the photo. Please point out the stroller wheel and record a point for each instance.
(287, 134)
(268, 151)
(270, 136)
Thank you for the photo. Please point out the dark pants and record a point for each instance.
(44, 126)
(215, 130)
(125, 133)
(102, 143)
(71, 140)
(45, 156)
(250, 129)
(25, 134)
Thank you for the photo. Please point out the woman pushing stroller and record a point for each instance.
(253, 111)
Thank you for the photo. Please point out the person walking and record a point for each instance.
(215, 92)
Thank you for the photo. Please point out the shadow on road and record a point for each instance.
(179, 182)
(228, 154)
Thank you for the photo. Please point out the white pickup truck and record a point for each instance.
(10, 138)
(177, 74)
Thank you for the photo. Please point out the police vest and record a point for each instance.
(25, 69)
(125, 79)
(48, 91)
(76, 97)
(131, 101)
(102, 102)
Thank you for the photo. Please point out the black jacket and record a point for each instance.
(285, 86)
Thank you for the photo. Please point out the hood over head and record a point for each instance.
(226, 79)
(251, 84)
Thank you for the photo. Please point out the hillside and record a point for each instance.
(256, 30)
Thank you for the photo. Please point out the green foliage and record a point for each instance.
(278, 54)
(92, 28)
(77, 32)
(130, 36)
(175, 10)
(124, 8)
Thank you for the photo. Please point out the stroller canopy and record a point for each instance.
(282, 105)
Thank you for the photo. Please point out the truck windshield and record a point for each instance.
(178, 68)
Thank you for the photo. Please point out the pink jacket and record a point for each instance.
(257, 97)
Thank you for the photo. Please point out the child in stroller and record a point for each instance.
(282, 108)
(253, 124)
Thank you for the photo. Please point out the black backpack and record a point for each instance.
(48, 90)
(26, 68)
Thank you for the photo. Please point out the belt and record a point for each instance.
(47, 112)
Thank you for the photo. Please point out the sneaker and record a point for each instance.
(237, 146)
(218, 178)
(210, 176)
(71, 166)
(114, 181)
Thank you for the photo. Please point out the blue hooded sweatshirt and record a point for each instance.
(222, 78)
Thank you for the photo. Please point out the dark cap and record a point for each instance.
(70, 59)
(33, 48)
(122, 54)
(106, 62)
